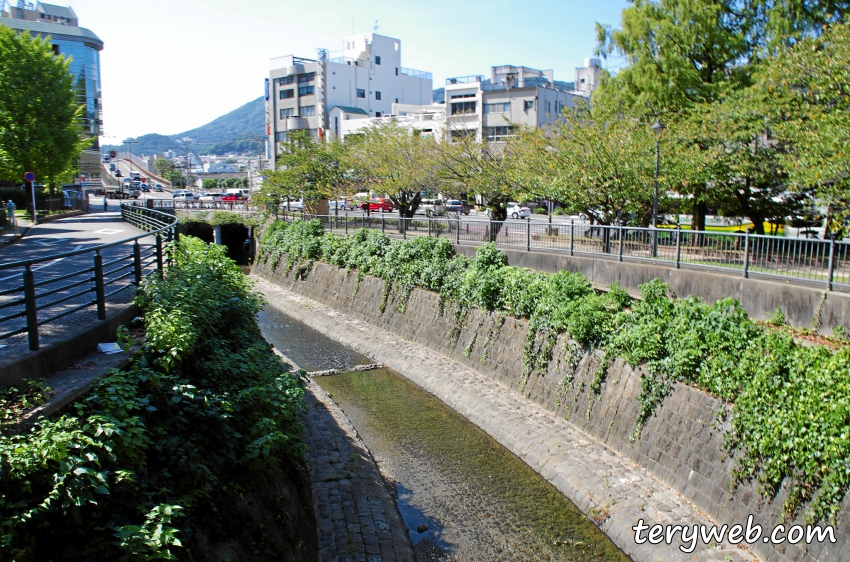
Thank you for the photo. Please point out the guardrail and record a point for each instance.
(110, 269)
(820, 262)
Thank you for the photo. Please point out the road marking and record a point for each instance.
(108, 231)
(48, 241)
(48, 264)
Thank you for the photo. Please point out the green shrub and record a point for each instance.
(151, 463)
(540, 211)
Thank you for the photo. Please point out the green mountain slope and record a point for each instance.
(231, 132)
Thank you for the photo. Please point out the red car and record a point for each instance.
(382, 205)
(232, 198)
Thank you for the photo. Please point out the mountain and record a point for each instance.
(231, 132)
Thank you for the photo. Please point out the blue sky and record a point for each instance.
(171, 65)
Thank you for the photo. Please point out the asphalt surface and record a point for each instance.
(58, 237)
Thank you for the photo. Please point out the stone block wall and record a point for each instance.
(681, 445)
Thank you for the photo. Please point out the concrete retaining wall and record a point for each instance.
(802, 306)
(681, 445)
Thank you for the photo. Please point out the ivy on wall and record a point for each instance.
(791, 412)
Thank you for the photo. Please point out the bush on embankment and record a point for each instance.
(791, 411)
(191, 451)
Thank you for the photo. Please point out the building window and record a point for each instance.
(528, 105)
(377, 95)
(548, 107)
(286, 80)
(460, 96)
(287, 112)
(306, 90)
(361, 93)
(462, 108)
(497, 107)
(55, 49)
(280, 137)
(308, 111)
(396, 100)
(304, 78)
(336, 125)
(498, 133)
(287, 94)
(462, 134)
(377, 59)
(378, 114)
(396, 71)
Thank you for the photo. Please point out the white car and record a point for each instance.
(211, 197)
(340, 204)
(515, 211)
(294, 205)
(190, 197)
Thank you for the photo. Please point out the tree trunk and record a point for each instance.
(498, 216)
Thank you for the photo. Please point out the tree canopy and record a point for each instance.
(39, 111)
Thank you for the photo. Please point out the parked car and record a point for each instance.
(456, 206)
(293, 205)
(178, 192)
(118, 174)
(342, 204)
(381, 205)
(232, 198)
(189, 197)
(157, 188)
(516, 211)
(211, 197)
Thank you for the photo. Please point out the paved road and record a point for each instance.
(57, 237)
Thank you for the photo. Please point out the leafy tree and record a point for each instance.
(595, 164)
(493, 170)
(682, 53)
(39, 111)
(308, 169)
(805, 92)
(391, 160)
(163, 167)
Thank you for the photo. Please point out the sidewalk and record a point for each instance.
(8, 236)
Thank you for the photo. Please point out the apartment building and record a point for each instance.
(491, 108)
(368, 77)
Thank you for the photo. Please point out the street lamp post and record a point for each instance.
(658, 129)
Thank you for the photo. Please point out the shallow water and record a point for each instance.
(479, 501)
(309, 349)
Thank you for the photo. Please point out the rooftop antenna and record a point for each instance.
(376, 26)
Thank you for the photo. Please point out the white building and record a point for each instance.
(587, 78)
(513, 95)
(302, 93)
(423, 120)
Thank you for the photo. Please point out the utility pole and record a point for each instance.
(259, 141)
(186, 142)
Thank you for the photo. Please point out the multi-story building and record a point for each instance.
(302, 93)
(67, 39)
(587, 78)
(513, 95)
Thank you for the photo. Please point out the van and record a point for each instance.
(238, 191)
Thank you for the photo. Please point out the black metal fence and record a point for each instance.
(90, 277)
(820, 262)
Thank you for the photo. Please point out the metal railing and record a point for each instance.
(814, 262)
(236, 206)
(97, 274)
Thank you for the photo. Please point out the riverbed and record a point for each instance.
(461, 495)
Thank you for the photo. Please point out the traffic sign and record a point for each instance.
(112, 154)
(29, 176)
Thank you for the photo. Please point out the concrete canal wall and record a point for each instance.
(681, 446)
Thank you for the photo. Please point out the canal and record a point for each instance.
(461, 494)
